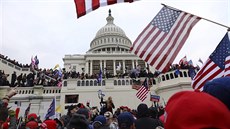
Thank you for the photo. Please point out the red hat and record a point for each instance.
(51, 124)
(5, 125)
(195, 110)
(32, 115)
(32, 124)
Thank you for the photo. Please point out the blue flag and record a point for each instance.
(51, 110)
(192, 72)
(154, 98)
(99, 78)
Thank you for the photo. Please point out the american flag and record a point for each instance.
(160, 42)
(85, 6)
(143, 91)
(27, 111)
(216, 66)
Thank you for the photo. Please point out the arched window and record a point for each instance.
(115, 82)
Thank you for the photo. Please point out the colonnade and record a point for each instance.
(103, 63)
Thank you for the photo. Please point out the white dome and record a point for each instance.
(109, 37)
(110, 29)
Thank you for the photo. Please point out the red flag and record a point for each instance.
(143, 91)
(160, 42)
(216, 66)
(17, 110)
(85, 6)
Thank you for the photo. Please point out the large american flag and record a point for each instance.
(160, 42)
(143, 91)
(216, 66)
(85, 6)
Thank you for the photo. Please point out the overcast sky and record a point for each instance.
(50, 28)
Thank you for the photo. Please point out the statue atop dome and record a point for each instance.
(109, 12)
(110, 36)
(110, 18)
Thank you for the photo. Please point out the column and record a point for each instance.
(101, 65)
(104, 63)
(104, 67)
(133, 66)
(87, 66)
(136, 63)
(114, 68)
(123, 68)
(91, 67)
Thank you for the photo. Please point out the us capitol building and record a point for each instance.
(109, 51)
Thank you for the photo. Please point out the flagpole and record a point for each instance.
(164, 101)
(198, 16)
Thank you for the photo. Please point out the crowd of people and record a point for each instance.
(82, 116)
(54, 77)
(14, 61)
(208, 109)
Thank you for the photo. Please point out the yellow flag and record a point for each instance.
(58, 109)
(56, 66)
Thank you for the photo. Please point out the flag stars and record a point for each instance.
(165, 19)
(220, 54)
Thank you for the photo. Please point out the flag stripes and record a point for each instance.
(85, 6)
(209, 71)
(143, 91)
(227, 67)
(160, 48)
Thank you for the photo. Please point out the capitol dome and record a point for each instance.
(109, 37)
(110, 28)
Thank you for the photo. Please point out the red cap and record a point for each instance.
(32, 115)
(32, 124)
(5, 125)
(51, 124)
(195, 110)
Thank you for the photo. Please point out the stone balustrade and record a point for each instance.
(161, 81)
